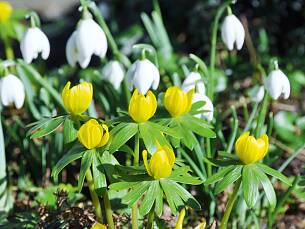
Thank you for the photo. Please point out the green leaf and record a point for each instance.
(267, 186)
(70, 133)
(73, 154)
(136, 193)
(149, 199)
(159, 201)
(123, 185)
(149, 141)
(229, 178)
(50, 127)
(250, 185)
(185, 196)
(85, 166)
(219, 175)
(99, 177)
(198, 126)
(164, 129)
(274, 173)
(121, 136)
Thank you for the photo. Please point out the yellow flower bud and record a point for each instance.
(177, 102)
(141, 107)
(78, 98)
(161, 163)
(5, 11)
(179, 224)
(250, 150)
(93, 135)
(98, 226)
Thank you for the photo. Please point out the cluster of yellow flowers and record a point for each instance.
(92, 134)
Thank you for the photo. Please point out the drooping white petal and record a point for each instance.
(114, 73)
(71, 50)
(232, 31)
(12, 91)
(277, 84)
(193, 81)
(143, 75)
(208, 107)
(90, 39)
(34, 42)
(257, 94)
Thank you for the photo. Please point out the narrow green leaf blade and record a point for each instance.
(85, 166)
(274, 173)
(219, 175)
(250, 185)
(50, 127)
(230, 178)
(149, 199)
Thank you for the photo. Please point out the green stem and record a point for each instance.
(151, 216)
(209, 155)
(134, 218)
(262, 115)
(108, 210)
(229, 207)
(94, 197)
(221, 9)
(282, 200)
(8, 49)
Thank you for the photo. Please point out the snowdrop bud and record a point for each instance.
(86, 40)
(193, 81)
(114, 73)
(12, 91)
(277, 84)
(208, 107)
(232, 31)
(257, 94)
(34, 42)
(143, 75)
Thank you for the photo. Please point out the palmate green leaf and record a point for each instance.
(73, 154)
(121, 135)
(164, 129)
(150, 197)
(185, 195)
(108, 164)
(159, 201)
(85, 165)
(136, 193)
(250, 185)
(198, 126)
(70, 133)
(99, 177)
(50, 127)
(274, 173)
(267, 186)
(219, 175)
(181, 175)
(37, 125)
(229, 178)
(123, 185)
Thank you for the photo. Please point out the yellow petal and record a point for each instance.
(179, 224)
(90, 134)
(144, 155)
(105, 137)
(159, 165)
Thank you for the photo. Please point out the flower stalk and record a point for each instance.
(94, 197)
(229, 207)
(108, 210)
(151, 216)
(134, 218)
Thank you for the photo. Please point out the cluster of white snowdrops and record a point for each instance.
(89, 39)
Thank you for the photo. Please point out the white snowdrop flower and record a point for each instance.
(86, 40)
(34, 41)
(143, 75)
(114, 73)
(12, 91)
(257, 94)
(208, 107)
(193, 81)
(232, 31)
(277, 84)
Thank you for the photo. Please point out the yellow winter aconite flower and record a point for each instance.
(161, 163)
(93, 135)
(98, 226)
(78, 98)
(177, 102)
(179, 224)
(249, 149)
(5, 11)
(141, 107)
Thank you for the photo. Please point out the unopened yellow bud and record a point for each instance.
(249, 149)
(78, 98)
(161, 163)
(93, 135)
(5, 11)
(179, 224)
(177, 102)
(98, 226)
(141, 107)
